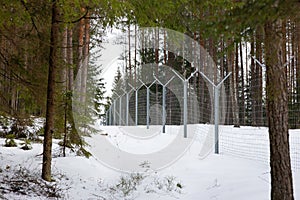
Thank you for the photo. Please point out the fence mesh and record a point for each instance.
(242, 102)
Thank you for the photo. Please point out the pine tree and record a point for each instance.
(117, 81)
(47, 155)
(281, 173)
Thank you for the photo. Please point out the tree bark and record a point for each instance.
(85, 63)
(64, 80)
(235, 74)
(233, 89)
(242, 104)
(253, 80)
(70, 60)
(277, 106)
(298, 74)
(64, 53)
(80, 55)
(47, 155)
(258, 90)
(129, 70)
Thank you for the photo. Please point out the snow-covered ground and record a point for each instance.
(196, 173)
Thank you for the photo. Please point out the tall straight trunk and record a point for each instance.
(222, 60)
(47, 154)
(195, 66)
(253, 81)
(235, 87)
(2, 47)
(284, 57)
(70, 60)
(63, 75)
(129, 71)
(292, 54)
(293, 95)
(258, 75)
(65, 84)
(233, 94)
(135, 55)
(246, 64)
(212, 53)
(298, 74)
(85, 61)
(277, 105)
(156, 73)
(170, 62)
(80, 58)
(247, 81)
(242, 104)
(201, 85)
(165, 47)
(73, 135)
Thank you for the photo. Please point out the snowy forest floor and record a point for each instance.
(192, 177)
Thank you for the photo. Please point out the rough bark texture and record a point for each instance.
(235, 74)
(86, 59)
(277, 105)
(64, 54)
(253, 80)
(298, 75)
(233, 89)
(64, 80)
(242, 104)
(70, 60)
(81, 26)
(258, 84)
(46, 166)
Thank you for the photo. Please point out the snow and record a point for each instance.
(233, 174)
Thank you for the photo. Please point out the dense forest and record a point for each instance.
(45, 45)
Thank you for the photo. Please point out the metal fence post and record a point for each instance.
(136, 107)
(127, 108)
(216, 113)
(164, 109)
(115, 113)
(164, 101)
(185, 84)
(148, 101)
(147, 107)
(216, 107)
(136, 101)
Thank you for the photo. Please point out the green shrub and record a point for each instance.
(26, 145)
(9, 141)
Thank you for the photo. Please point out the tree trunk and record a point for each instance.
(63, 71)
(242, 104)
(277, 105)
(235, 74)
(80, 55)
(135, 56)
(129, 70)
(65, 84)
(70, 60)
(156, 72)
(86, 59)
(47, 155)
(233, 89)
(258, 75)
(298, 75)
(253, 80)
